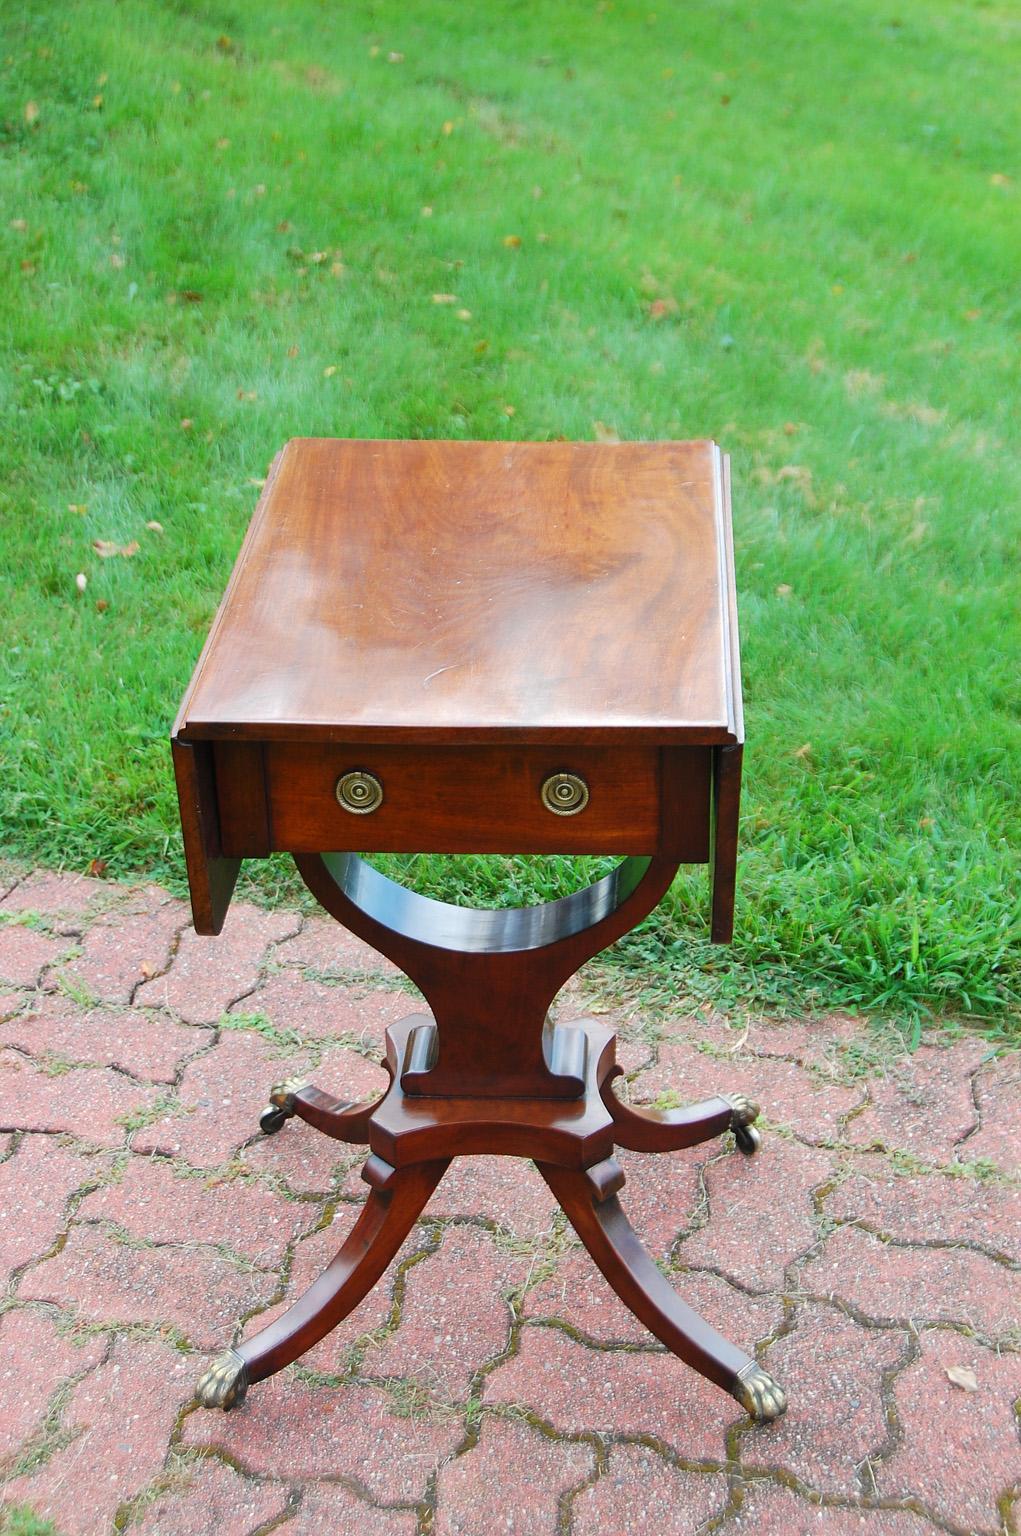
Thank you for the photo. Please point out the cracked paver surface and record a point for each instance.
(870, 1256)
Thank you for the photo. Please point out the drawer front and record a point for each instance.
(284, 797)
(461, 800)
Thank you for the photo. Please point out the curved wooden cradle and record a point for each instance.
(489, 977)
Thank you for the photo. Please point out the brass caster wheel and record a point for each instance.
(748, 1139)
(224, 1384)
(757, 1392)
(281, 1105)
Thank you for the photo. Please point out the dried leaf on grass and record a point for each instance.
(106, 548)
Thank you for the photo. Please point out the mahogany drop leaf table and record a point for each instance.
(488, 648)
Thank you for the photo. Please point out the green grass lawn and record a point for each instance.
(794, 228)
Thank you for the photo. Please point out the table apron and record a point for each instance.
(281, 797)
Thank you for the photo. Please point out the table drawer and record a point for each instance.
(463, 800)
(283, 796)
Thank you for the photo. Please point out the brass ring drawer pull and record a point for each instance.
(565, 794)
(359, 792)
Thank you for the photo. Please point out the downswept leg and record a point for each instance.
(644, 1129)
(344, 1120)
(396, 1200)
(590, 1201)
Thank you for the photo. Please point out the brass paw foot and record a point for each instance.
(745, 1109)
(224, 1384)
(762, 1397)
(281, 1104)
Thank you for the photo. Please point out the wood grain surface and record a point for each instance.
(493, 592)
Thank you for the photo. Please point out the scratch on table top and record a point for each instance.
(447, 668)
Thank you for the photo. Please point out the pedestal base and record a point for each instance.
(411, 1140)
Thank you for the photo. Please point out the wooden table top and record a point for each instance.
(488, 592)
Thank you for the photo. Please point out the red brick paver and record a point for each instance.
(491, 1382)
(219, 1099)
(204, 981)
(36, 1183)
(222, 1093)
(35, 1359)
(454, 1317)
(961, 1470)
(25, 952)
(514, 1478)
(153, 1201)
(140, 1042)
(576, 1294)
(94, 1104)
(56, 897)
(768, 1509)
(330, 1507)
(291, 1430)
(889, 1283)
(814, 1106)
(920, 1208)
(315, 1010)
(124, 946)
(212, 1497)
(582, 1391)
(108, 1282)
(833, 1369)
(119, 1420)
(998, 1138)
(640, 1490)
(817, 1043)
(324, 946)
(663, 1194)
(299, 1160)
(762, 1213)
(334, 1354)
(923, 1104)
(507, 1191)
